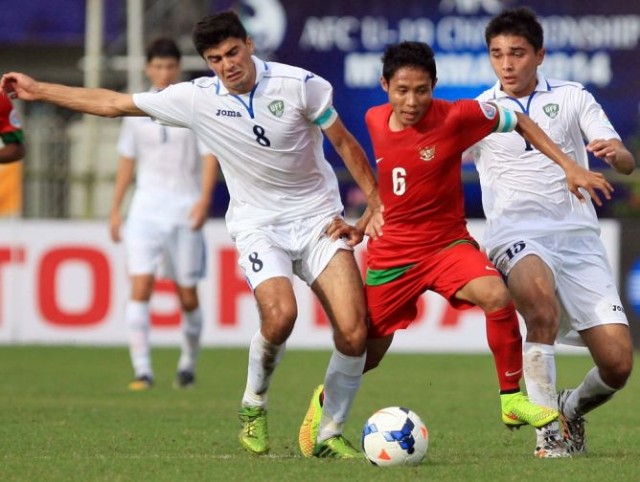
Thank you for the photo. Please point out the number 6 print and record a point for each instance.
(398, 176)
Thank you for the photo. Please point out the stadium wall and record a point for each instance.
(64, 282)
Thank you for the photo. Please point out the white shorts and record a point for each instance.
(175, 252)
(584, 283)
(301, 248)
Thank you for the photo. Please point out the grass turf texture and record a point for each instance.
(65, 414)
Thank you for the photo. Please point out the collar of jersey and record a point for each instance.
(262, 68)
(541, 86)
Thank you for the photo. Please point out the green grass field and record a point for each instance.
(65, 414)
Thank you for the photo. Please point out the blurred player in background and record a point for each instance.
(175, 181)
(546, 244)
(12, 149)
(418, 143)
(265, 123)
(10, 132)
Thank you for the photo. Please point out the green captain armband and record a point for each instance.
(507, 119)
(327, 118)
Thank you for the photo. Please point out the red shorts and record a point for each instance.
(394, 305)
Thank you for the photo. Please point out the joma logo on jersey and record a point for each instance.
(551, 110)
(277, 108)
(427, 153)
(228, 113)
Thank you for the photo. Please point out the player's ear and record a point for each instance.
(540, 55)
(250, 45)
(384, 84)
(435, 81)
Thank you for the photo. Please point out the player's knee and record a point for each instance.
(277, 322)
(190, 304)
(617, 374)
(352, 340)
(543, 322)
(188, 298)
(495, 299)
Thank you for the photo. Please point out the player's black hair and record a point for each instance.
(521, 22)
(213, 29)
(163, 47)
(408, 54)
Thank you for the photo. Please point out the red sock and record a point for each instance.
(505, 342)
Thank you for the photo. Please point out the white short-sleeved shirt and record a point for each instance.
(169, 169)
(268, 141)
(523, 191)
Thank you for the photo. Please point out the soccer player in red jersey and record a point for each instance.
(418, 143)
(12, 147)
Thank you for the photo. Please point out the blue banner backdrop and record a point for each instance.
(592, 42)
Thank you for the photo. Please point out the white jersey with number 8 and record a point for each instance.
(269, 142)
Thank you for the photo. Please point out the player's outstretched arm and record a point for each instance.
(102, 102)
(200, 210)
(356, 161)
(577, 176)
(124, 177)
(614, 153)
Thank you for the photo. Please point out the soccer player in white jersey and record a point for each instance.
(544, 242)
(175, 172)
(265, 123)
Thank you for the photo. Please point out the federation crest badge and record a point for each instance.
(551, 110)
(427, 153)
(14, 120)
(277, 108)
(489, 110)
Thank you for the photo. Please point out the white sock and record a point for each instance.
(263, 360)
(190, 347)
(539, 365)
(341, 384)
(137, 319)
(590, 394)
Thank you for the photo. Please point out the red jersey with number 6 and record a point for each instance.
(419, 178)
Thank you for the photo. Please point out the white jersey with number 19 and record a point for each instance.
(523, 191)
(268, 141)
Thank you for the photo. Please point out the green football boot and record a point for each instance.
(336, 447)
(254, 436)
(309, 428)
(517, 410)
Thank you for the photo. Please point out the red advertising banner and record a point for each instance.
(65, 283)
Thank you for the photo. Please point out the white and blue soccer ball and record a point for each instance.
(395, 436)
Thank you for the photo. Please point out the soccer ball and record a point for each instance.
(395, 436)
